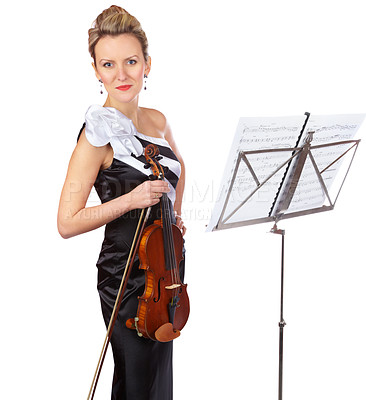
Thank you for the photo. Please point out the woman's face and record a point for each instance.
(120, 64)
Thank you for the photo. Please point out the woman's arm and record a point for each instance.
(73, 217)
(179, 190)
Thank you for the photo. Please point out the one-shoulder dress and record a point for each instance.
(142, 367)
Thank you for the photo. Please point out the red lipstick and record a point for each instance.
(123, 87)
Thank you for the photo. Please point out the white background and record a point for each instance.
(212, 62)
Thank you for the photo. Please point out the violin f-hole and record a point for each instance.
(159, 290)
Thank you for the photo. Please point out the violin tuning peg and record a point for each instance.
(147, 166)
(158, 158)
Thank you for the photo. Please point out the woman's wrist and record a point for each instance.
(126, 203)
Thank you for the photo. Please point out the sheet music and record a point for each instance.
(256, 134)
(247, 201)
(328, 129)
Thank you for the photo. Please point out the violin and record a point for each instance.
(163, 309)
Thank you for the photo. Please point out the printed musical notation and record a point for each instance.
(333, 128)
(259, 165)
(253, 134)
(327, 129)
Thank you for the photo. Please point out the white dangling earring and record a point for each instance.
(101, 87)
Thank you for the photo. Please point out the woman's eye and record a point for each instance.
(131, 62)
(107, 64)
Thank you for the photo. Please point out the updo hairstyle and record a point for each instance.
(115, 21)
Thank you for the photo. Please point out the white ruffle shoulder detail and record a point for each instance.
(107, 125)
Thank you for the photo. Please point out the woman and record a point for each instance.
(109, 155)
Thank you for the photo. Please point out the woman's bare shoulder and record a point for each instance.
(85, 152)
(156, 117)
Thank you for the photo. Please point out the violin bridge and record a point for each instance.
(174, 286)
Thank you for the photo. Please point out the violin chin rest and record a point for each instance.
(166, 333)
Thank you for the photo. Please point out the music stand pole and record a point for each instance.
(282, 322)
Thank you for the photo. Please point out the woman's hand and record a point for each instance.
(180, 223)
(147, 194)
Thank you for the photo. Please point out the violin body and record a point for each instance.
(165, 300)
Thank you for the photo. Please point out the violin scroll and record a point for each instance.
(152, 156)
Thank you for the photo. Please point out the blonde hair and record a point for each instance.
(115, 21)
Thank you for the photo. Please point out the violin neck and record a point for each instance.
(166, 215)
(166, 209)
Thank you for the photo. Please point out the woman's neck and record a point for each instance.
(130, 110)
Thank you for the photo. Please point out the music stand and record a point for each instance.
(302, 175)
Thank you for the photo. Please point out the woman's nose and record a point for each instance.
(121, 74)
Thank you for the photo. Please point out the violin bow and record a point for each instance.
(131, 257)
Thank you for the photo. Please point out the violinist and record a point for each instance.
(110, 155)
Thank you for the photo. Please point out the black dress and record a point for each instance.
(143, 368)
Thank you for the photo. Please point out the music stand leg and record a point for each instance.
(282, 322)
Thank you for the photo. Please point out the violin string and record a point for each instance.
(176, 276)
(168, 235)
(174, 272)
(173, 258)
